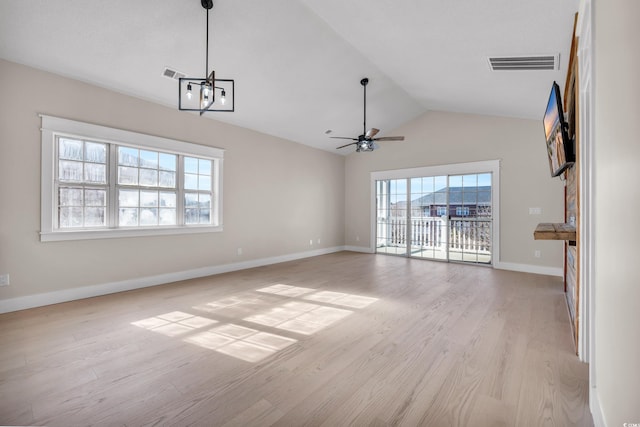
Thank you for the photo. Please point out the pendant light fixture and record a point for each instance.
(206, 93)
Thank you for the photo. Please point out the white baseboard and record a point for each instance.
(596, 410)
(65, 295)
(527, 268)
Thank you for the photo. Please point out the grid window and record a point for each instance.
(146, 208)
(140, 172)
(81, 207)
(120, 183)
(197, 185)
(146, 168)
(82, 183)
(197, 208)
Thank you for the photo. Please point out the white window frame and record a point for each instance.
(52, 127)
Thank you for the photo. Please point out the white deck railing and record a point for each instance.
(466, 234)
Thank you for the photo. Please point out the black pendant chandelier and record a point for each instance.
(206, 93)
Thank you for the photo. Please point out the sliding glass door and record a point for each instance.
(470, 218)
(429, 223)
(391, 211)
(443, 217)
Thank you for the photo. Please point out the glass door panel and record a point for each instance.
(470, 219)
(391, 213)
(428, 221)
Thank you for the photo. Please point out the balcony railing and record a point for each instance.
(465, 234)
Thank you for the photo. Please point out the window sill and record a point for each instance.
(56, 236)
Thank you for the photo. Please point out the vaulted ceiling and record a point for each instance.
(297, 64)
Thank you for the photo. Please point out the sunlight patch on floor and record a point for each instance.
(174, 323)
(242, 343)
(304, 311)
(301, 318)
(246, 301)
(339, 298)
(286, 290)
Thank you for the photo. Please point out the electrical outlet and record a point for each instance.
(536, 253)
(239, 251)
(311, 242)
(535, 211)
(4, 280)
(318, 240)
(357, 238)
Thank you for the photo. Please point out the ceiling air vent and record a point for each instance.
(172, 74)
(531, 63)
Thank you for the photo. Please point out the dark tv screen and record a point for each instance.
(559, 146)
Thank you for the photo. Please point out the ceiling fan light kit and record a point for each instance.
(366, 141)
(212, 94)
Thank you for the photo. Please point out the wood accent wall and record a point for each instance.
(571, 251)
(572, 190)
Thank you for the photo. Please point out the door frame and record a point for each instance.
(485, 166)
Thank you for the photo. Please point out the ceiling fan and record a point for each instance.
(366, 141)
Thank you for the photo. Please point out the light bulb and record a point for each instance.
(204, 99)
(223, 98)
(189, 94)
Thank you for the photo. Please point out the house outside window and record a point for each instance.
(441, 211)
(100, 182)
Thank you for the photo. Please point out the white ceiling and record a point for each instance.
(297, 64)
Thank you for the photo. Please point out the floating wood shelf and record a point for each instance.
(555, 231)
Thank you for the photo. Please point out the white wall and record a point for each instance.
(277, 194)
(438, 138)
(617, 207)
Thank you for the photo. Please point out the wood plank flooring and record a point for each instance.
(340, 339)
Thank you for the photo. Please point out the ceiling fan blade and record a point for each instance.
(346, 145)
(343, 137)
(371, 133)
(390, 138)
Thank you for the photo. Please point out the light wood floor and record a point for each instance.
(346, 339)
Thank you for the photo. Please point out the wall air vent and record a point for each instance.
(530, 63)
(172, 74)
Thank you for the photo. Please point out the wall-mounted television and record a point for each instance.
(559, 146)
